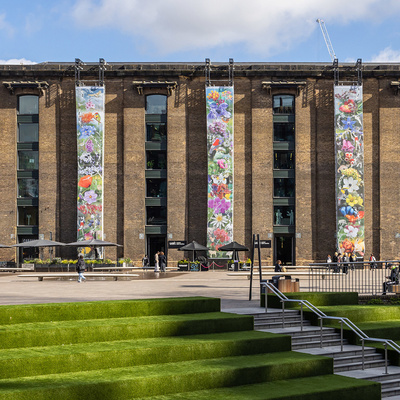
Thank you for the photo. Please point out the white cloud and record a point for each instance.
(387, 55)
(17, 61)
(263, 26)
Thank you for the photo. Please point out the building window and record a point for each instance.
(156, 159)
(284, 215)
(28, 188)
(156, 104)
(27, 216)
(283, 160)
(28, 160)
(283, 104)
(283, 132)
(156, 188)
(284, 187)
(156, 215)
(28, 105)
(156, 132)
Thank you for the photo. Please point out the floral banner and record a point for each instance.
(90, 131)
(220, 168)
(349, 169)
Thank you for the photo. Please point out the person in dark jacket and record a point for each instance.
(80, 268)
(163, 261)
(278, 266)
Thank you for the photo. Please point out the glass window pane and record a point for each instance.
(28, 105)
(284, 187)
(156, 132)
(28, 160)
(284, 104)
(283, 132)
(156, 188)
(28, 187)
(28, 216)
(283, 160)
(283, 215)
(156, 215)
(156, 104)
(156, 160)
(28, 132)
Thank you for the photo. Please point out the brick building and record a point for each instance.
(155, 163)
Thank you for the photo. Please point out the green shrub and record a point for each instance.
(375, 301)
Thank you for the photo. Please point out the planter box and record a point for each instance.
(183, 266)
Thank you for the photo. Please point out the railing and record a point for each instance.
(362, 277)
(322, 316)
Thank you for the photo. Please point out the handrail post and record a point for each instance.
(386, 360)
(362, 344)
(341, 335)
(283, 313)
(266, 298)
(321, 332)
(301, 316)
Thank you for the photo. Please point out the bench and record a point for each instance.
(75, 275)
(269, 275)
(113, 269)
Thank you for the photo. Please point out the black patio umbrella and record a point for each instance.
(92, 243)
(235, 247)
(39, 243)
(193, 246)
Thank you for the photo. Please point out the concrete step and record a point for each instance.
(279, 324)
(307, 338)
(290, 318)
(313, 344)
(357, 359)
(358, 365)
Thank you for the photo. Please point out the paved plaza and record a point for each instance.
(233, 291)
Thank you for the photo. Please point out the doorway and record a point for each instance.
(284, 249)
(155, 243)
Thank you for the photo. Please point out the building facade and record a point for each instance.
(156, 156)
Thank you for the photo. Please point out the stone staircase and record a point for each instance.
(347, 362)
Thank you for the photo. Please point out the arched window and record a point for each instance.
(156, 104)
(28, 105)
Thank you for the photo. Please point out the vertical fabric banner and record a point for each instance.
(349, 141)
(90, 139)
(219, 100)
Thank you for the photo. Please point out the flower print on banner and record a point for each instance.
(349, 141)
(220, 114)
(90, 140)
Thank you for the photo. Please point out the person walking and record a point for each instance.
(80, 268)
(352, 260)
(156, 262)
(372, 259)
(163, 261)
(335, 261)
(145, 261)
(345, 264)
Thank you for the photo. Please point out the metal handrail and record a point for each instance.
(321, 316)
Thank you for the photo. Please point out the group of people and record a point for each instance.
(346, 261)
(160, 262)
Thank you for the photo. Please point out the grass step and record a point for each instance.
(25, 313)
(151, 380)
(327, 387)
(86, 331)
(90, 356)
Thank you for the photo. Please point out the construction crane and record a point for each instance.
(327, 39)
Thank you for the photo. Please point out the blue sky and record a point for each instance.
(190, 31)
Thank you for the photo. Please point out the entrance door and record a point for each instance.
(154, 244)
(284, 249)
